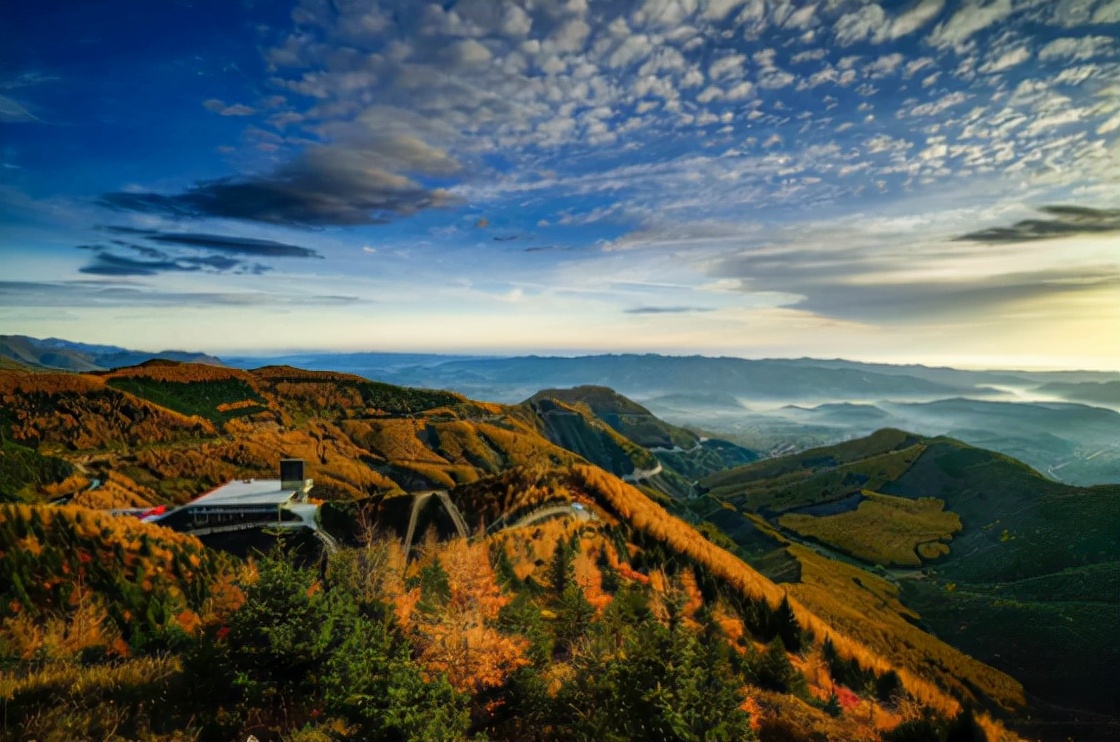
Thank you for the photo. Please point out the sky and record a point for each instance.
(929, 181)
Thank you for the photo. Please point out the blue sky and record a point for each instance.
(927, 181)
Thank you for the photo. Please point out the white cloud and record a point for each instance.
(973, 17)
(883, 143)
(1006, 60)
(1110, 125)
(570, 37)
(773, 79)
(827, 74)
(934, 151)
(808, 55)
(730, 65)
(664, 13)
(694, 78)
(632, 49)
(1053, 121)
(516, 22)
(470, 52)
(938, 106)
(860, 24)
(802, 18)
(1085, 47)
(1107, 12)
(235, 109)
(872, 22)
(1070, 13)
(741, 91)
(1078, 74)
(709, 94)
(910, 21)
(717, 10)
(884, 65)
(915, 66)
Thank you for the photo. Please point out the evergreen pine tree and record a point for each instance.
(575, 616)
(963, 728)
(775, 672)
(435, 590)
(785, 625)
(561, 569)
(888, 687)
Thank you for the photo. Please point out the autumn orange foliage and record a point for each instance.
(179, 373)
(646, 516)
(460, 639)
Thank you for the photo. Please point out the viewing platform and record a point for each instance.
(245, 504)
(241, 505)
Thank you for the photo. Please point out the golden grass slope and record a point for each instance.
(361, 438)
(883, 529)
(866, 607)
(80, 412)
(908, 660)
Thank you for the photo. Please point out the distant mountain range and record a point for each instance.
(1064, 423)
(511, 379)
(1075, 443)
(57, 354)
(507, 379)
(651, 375)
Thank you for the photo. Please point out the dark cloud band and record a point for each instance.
(128, 293)
(667, 310)
(323, 188)
(222, 243)
(178, 252)
(1068, 221)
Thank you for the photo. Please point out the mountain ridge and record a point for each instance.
(55, 353)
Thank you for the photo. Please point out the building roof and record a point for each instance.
(246, 492)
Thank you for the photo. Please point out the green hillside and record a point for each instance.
(24, 472)
(624, 415)
(683, 455)
(1013, 568)
(576, 428)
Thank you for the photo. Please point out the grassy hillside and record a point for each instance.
(56, 354)
(26, 351)
(25, 473)
(624, 415)
(1017, 570)
(582, 419)
(9, 364)
(576, 428)
(883, 530)
(819, 475)
(215, 394)
(174, 430)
